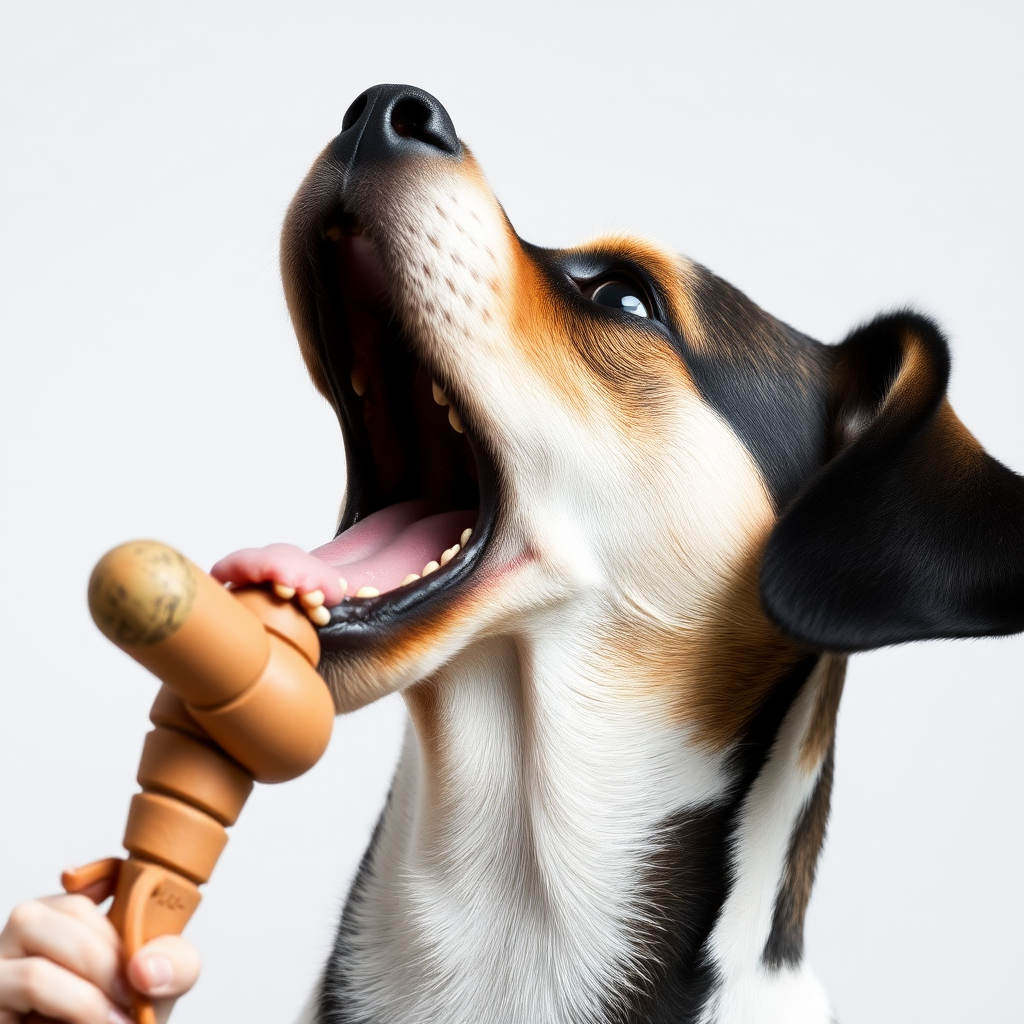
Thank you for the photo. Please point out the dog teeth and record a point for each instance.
(446, 556)
(283, 592)
(319, 616)
(333, 233)
(442, 399)
(343, 583)
(358, 381)
(314, 599)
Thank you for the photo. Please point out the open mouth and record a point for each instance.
(419, 500)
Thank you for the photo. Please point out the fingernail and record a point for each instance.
(115, 1016)
(158, 974)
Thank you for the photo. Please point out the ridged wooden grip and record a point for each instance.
(241, 700)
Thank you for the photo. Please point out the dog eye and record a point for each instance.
(619, 293)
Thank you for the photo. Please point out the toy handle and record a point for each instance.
(241, 700)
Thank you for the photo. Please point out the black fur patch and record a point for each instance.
(785, 945)
(770, 383)
(693, 877)
(912, 531)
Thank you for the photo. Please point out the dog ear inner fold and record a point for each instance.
(911, 531)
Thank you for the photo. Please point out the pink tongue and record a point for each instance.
(384, 548)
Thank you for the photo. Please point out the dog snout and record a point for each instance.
(389, 122)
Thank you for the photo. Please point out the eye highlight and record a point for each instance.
(619, 292)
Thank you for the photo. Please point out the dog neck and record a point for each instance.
(549, 855)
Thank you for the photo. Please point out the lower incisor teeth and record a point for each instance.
(319, 616)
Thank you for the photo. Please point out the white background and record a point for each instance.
(831, 160)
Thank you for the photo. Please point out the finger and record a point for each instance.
(33, 983)
(167, 967)
(38, 929)
(98, 891)
(82, 908)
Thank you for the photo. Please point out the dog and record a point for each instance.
(612, 531)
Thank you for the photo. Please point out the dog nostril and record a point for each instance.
(410, 118)
(354, 112)
(391, 121)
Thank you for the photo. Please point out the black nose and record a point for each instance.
(391, 121)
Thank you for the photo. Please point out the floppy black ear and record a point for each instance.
(911, 531)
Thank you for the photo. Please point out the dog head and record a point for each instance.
(643, 453)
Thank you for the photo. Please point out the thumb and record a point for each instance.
(166, 967)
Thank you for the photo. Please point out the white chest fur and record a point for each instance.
(508, 879)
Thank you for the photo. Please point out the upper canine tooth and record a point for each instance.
(439, 396)
(455, 421)
(358, 381)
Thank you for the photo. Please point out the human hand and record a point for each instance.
(60, 956)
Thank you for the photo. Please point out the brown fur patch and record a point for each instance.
(598, 369)
(785, 945)
(714, 676)
(821, 730)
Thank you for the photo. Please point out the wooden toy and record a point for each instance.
(241, 700)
